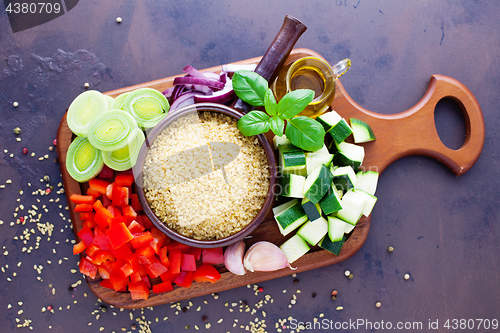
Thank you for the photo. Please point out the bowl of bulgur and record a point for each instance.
(201, 181)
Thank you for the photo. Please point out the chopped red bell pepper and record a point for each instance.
(100, 257)
(163, 287)
(101, 239)
(83, 208)
(138, 290)
(106, 283)
(129, 212)
(160, 239)
(169, 276)
(92, 249)
(141, 240)
(99, 185)
(134, 201)
(163, 257)
(114, 210)
(124, 179)
(87, 268)
(109, 190)
(119, 283)
(175, 258)
(188, 262)
(106, 201)
(184, 279)
(93, 192)
(146, 222)
(213, 256)
(119, 235)
(155, 269)
(79, 247)
(126, 270)
(118, 219)
(119, 195)
(206, 273)
(176, 246)
(89, 223)
(79, 198)
(86, 215)
(122, 252)
(135, 277)
(196, 251)
(106, 172)
(103, 273)
(135, 227)
(146, 251)
(102, 217)
(86, 235)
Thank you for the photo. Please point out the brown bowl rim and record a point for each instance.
(138, 168)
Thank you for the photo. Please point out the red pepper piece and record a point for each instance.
(163, 287)
(87, 268)
(175, 261)
(101, 239)
(141, 240)
(119, 235)
(86, 235)
(184, 279)
(146, 251)
(90, 223)
(134, 201)
(119, 195)
(109, 190)
(102, 217)
(99, 185)
(176, 246)
(135, 227)
(188, 262)
(164, 257)
(155, 269)
(206, 273)
(93, 192)
(169, 276)
(119, 283)
(106, 283)
(86, 215)
(92, 249)
(79, 248)
(196, 251)
(120, 253)
(135, 277)
(79, 198)
(146, 222)
(213, 256)
(124, 179)
(138, 290)
(118, 219)
(129, 212)
(160, 239)
(101, 256)
(84, 208)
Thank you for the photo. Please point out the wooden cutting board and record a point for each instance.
(407, 133)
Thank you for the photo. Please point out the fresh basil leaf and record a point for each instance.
(270, 103)
(305, 133)
(253, 123)
(250, 87)
(277, 125)
(294, 103)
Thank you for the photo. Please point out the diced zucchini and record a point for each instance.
(352, 207)
(336, 228)
(331, 202)
(328, 245)
(314, 160)
(313, 231)
(361, 131)
(280, 140)
(317, 183)
(367, 181)
(284, 206)
(323, 150)
(291, 158)
(313, 211)
(370, 201)
(292, 185)
(294, 248)
(335, 125)
(291, 218)
(344, 178)
(349, 154)
(349, 228)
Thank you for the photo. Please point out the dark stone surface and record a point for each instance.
(444, 229)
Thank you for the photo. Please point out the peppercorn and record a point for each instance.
(184, 309)
(15, 104)
(204, 318)
(313, 295)
(296, 281)
(334, 298)
(104, 308)
(407, 276)
(133, 326)
(244, 303)
(351, 276)
(334, 293)
(70, 288)
(25, 151)
(86, 85)
(390, 249)
(46, 178)
(118, 20)
(378, 304)
(17, 130)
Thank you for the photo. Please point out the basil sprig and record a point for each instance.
(303, 132)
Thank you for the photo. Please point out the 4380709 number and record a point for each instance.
(471, 324)
(33, 8)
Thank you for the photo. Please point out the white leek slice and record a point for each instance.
(110, 100)
(84, 108)
(118, 104)
(112, 130)
(148, 106)
(126, 157)
(83, 160)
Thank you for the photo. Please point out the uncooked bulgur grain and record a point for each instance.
(203, 178)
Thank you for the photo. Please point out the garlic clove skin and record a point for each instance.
(264, 256)
(233, 258)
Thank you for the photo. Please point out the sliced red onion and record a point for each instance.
(183, 100)
(221, 96)
(212, 76)
(193, 72)
(198, 81)
(168, 93)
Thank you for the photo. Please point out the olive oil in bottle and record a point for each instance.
(309, 77)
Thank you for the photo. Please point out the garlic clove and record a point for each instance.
(265, 257)
(233, 258)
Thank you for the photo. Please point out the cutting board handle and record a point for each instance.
(413, 132)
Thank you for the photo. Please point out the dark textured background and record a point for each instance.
(444, 229)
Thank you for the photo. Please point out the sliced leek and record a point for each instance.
(148, 106)
(119, 101)
(112, 130)
(110, 100)
(126, 157)
(84, 108)
(83, 160)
